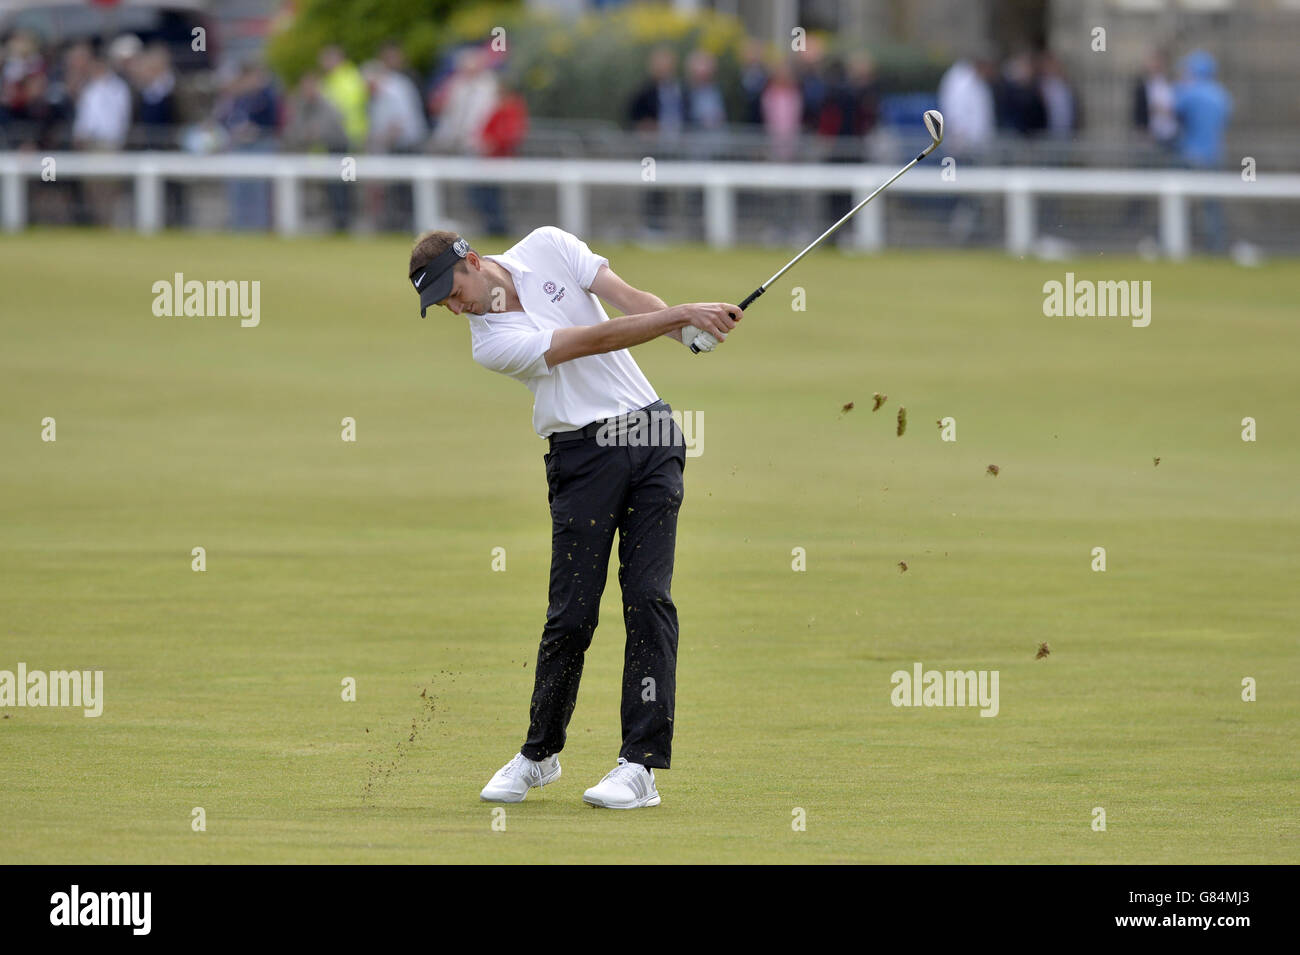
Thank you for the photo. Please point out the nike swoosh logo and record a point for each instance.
(418, 281)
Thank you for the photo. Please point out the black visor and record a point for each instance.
(434, 281)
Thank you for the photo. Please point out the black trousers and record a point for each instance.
(595, 488)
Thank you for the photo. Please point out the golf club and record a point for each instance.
(934, 125)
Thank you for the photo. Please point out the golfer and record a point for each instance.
(535, 314)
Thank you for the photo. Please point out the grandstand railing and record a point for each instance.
(1020, 188)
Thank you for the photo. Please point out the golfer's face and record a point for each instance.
(468, 292)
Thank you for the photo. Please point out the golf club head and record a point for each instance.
(934, 126)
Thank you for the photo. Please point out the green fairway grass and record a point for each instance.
(373, 560)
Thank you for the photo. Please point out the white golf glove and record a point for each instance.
(702, 340)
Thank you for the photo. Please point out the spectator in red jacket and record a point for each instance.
(506, 126)
(499, 136)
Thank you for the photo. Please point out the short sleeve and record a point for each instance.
(517, 352)
(582, 262)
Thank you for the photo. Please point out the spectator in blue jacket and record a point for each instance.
(1203, 108)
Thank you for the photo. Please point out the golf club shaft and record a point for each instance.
(849, 215)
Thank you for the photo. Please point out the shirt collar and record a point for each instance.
(513, 265)
(517, 270)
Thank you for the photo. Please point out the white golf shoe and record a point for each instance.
(513, 780)
(626, 786)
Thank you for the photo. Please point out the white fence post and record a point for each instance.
(869, 224)
(148, 199)
(573, 205)
(720, 214)
(13, 196)
(288, 202)
(1175, 229)
(426, 203)
(1020, 218)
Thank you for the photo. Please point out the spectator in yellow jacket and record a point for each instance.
(343, 86)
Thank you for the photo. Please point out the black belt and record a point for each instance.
(615, 424)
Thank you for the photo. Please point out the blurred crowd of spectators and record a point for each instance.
(807, 95)
(1027, 97)
(1187, 116)
(1184, 116)
(122, 95)
(1028, 94)
(90, 96)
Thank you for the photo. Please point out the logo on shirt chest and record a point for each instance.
(550, 289)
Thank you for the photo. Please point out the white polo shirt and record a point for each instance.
(553, 271)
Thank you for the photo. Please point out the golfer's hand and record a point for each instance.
(716, 318)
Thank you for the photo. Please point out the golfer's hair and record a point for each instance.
(429, 246)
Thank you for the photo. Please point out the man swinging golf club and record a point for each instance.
(535, 315)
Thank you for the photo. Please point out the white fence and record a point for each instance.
(1019, 187)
